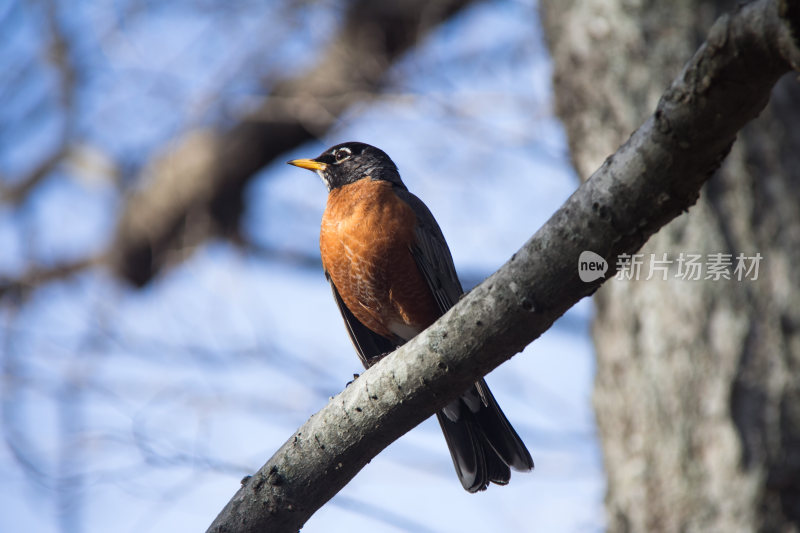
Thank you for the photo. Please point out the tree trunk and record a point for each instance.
(698, 382)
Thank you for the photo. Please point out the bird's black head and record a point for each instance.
(349, 162)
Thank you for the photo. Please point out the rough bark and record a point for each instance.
(195, 189)
(651, 179)
(698, 382)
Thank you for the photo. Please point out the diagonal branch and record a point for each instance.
(18, 289)
(655, 176)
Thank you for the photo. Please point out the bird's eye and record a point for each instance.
(341, 154)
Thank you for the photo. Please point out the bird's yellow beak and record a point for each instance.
(310, 164)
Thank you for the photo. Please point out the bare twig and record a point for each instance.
(58, 54)
(19, 288)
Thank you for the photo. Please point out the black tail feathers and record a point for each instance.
(482, 443)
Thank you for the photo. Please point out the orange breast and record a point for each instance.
(365, 242)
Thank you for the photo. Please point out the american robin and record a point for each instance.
(392, 276)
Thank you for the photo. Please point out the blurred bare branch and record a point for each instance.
(19, 288)
(17, 193)
(59, 56)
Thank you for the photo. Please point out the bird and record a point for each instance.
(392, 275)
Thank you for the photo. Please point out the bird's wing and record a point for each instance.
(367, 343)
(432, 255)
(481, 440)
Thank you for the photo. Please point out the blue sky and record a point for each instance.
(161, 399)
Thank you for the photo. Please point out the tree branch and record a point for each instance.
(18, 289)
(651, 179)
(59, 55)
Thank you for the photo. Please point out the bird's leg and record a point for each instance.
(376, 358)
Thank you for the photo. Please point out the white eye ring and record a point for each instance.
(342, 154)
